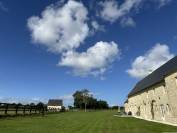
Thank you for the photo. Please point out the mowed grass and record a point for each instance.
(81, 122)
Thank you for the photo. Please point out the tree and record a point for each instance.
(85, 95)
(102, 104)
(83, 100)
(70, 107)
(32, 104)
(62, 109)
(115, 107)
(78, 100)
(92, 103)
(40, 107)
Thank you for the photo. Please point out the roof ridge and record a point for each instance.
(158, 68)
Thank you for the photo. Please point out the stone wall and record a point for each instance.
(158, 102)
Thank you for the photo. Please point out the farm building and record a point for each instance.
(155, 97)
(54, 104)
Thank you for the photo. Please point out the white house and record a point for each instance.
(54, 104)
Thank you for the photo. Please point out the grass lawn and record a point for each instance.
(81, 122)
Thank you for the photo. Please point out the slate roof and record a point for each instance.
(155, 77)
(126, 101)
(55, 102)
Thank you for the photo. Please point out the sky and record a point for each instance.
(50, 48)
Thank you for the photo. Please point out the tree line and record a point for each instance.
(83, 99)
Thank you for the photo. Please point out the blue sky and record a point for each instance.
(49, 49)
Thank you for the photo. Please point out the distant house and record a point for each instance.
(54, 104)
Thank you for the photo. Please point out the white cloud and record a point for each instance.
(111, 11)
(2, 7)
(97, 26)
(60, 28)
(67, 99)
(154, 58)
(94, 61)
(127, 22)
(163, 2)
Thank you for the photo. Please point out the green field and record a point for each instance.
(81, 122)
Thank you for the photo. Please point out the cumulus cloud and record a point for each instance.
(97, 26)
(151, 60)
(63, 28)
(127, 22)
(60, 28)
(94, 61)
(113, 11)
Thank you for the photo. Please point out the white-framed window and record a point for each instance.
(167, 108)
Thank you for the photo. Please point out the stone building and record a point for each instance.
(155, 96)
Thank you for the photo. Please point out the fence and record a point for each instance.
(7, 109)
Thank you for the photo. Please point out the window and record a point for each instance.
(168, 108)
(162, 109)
